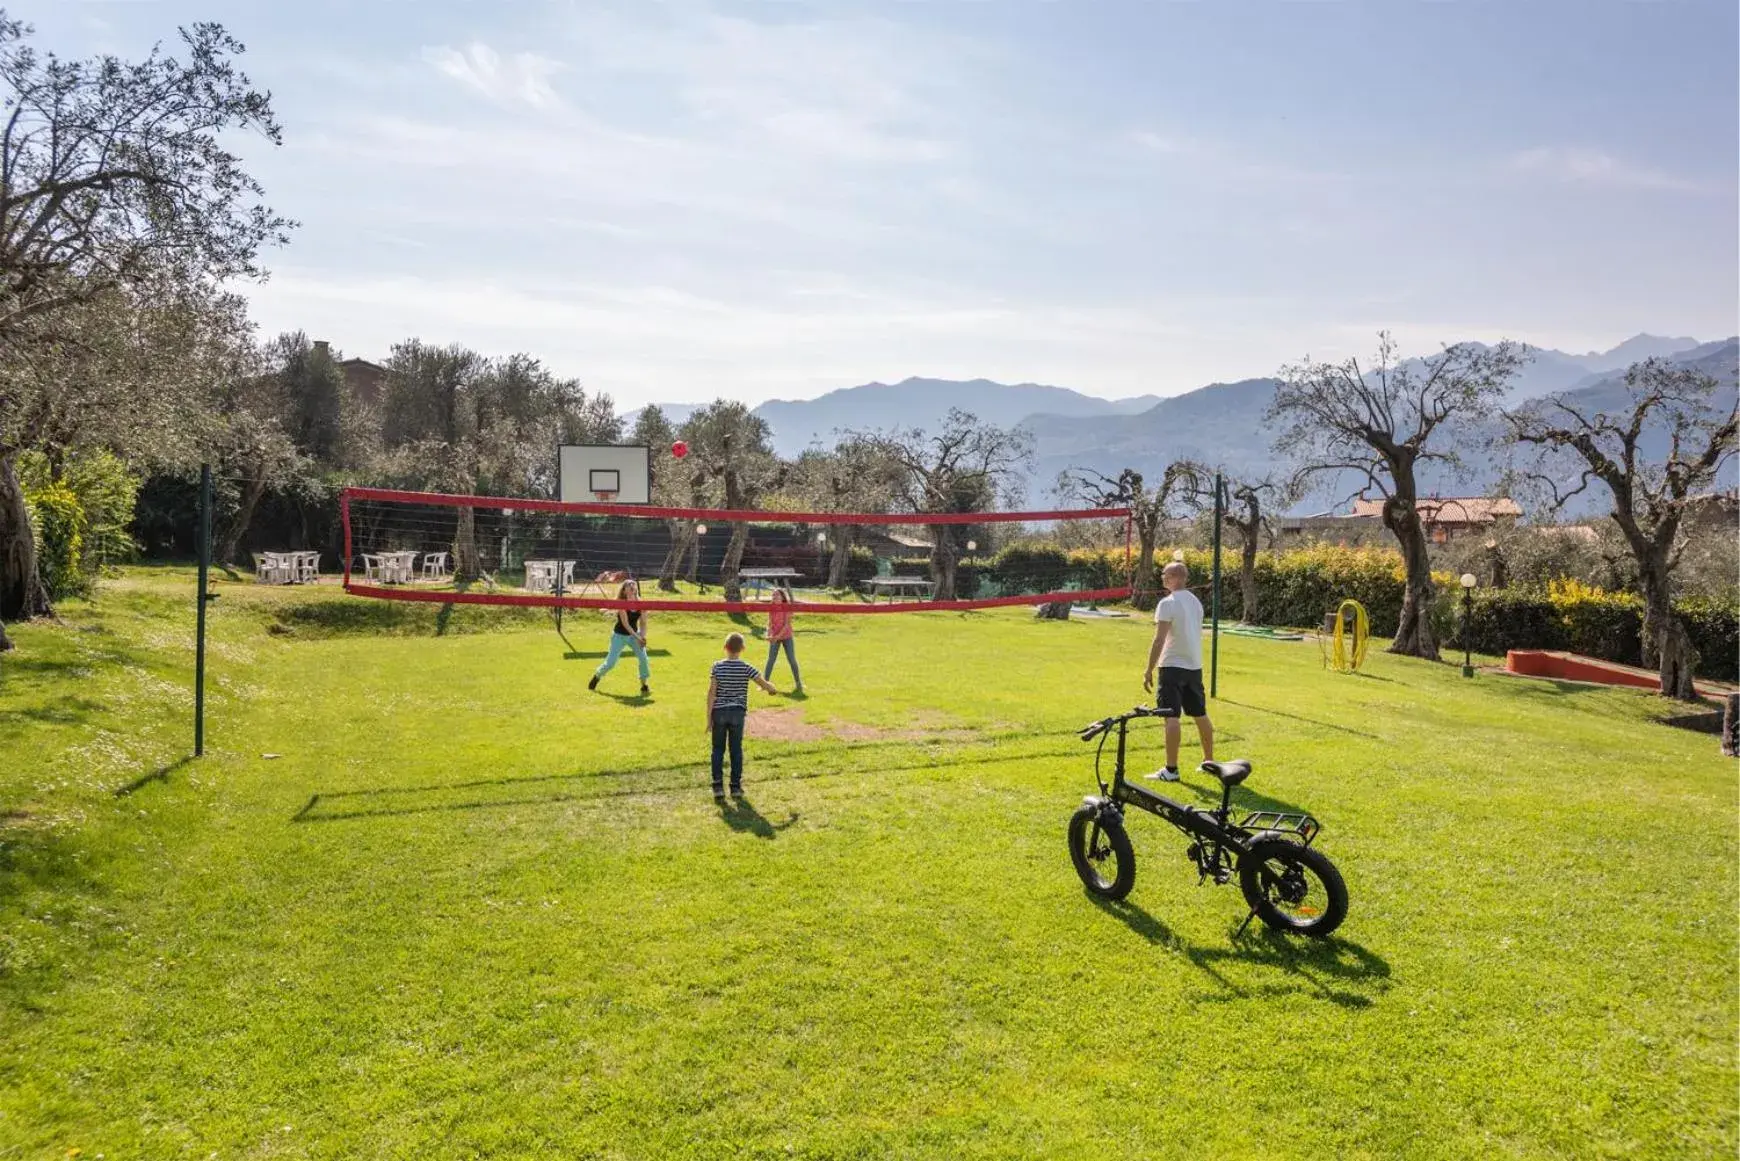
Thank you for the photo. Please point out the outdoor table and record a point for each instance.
(397, 567)
(541, 575)
(758, 578)
(277, 568)
(914, 586)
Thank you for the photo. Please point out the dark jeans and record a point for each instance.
(728, 730)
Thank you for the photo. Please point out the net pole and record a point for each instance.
(344, 519)
(1214, 631)
(1130, 555)
(199, 630)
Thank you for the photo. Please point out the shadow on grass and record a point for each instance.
(72, 711)
(634, 699)
(1313, 966)
(379, 800)
(161, 774)
(1308, 721)
(574, 654)
(741, 816)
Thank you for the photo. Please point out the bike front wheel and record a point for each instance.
(1293, 888)
(1102, 853)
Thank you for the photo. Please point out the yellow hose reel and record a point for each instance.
(1345, 650)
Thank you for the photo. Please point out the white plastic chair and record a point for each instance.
(371, 567)
(435, 566)
(307, 567)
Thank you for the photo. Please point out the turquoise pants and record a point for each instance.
(619, 642)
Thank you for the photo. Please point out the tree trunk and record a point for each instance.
(1665, 636)
(5, 641)
(842, 557)
(734, 559)
(1248, 575)
(1143, 594)
(21, 592)
(465, 562)
(1414, 631)
(942, 561)
(682, 531)
(238, 525)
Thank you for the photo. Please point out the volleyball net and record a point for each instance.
(450, 549)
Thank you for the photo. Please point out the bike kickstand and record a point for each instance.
(1239, 934)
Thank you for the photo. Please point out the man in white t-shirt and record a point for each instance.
(1177, 650)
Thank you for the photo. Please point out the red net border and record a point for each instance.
(724, 516)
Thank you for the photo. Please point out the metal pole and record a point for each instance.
(1467, 644)
(1214, 631)
(199, 632)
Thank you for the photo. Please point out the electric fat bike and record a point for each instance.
(1290, 885)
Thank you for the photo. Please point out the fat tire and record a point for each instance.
(1080, 831)
(1333, 885)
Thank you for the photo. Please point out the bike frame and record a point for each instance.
(1218, 839)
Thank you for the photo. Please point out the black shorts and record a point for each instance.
(1181, 692)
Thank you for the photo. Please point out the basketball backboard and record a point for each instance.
(583, 471)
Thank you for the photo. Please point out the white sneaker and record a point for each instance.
(1163, 775)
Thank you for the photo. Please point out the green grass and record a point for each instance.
(471, 910)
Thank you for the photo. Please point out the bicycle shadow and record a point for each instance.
(741, 816)
(1317, 964)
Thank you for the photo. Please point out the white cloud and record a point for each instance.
(844, 89)
(792, 334)
(1594, 167)
(523, 78)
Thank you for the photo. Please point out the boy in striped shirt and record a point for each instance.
(727, 705)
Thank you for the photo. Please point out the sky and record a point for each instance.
(678, 201)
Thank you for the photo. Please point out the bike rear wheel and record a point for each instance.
(1102, 853)
(1293, 888)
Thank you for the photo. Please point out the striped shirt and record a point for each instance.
(733, 677)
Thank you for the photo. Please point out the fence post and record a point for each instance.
(1214, 631)
(199, 632)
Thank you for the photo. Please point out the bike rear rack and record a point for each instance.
(1302, 825)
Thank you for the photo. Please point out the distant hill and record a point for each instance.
(923, 403)
(1221, 423)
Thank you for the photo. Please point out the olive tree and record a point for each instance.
(962, 467)
(116, 181)
(1651, 495)
(1379, 425)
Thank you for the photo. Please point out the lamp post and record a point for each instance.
(1468, 583)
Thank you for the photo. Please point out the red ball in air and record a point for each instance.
(679, 449)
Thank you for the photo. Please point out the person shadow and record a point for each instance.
(741, 816)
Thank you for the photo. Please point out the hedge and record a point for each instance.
(1300, 586)
(1599, 624)
(58, 522)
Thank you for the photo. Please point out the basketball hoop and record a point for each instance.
(605, 497)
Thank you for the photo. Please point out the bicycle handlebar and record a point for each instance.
(1094, 729)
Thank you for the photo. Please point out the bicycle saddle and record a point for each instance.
(1229, 773)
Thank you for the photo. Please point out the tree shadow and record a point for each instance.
(161, 774)
(1312, 966)
(741, 816)
(71, 711)
(1300, 718)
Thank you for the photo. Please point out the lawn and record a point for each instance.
(427, 897)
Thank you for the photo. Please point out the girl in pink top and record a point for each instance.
(778, 633)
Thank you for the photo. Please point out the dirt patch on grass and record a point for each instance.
(788, 725)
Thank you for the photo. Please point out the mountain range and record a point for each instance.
(1221, 423)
